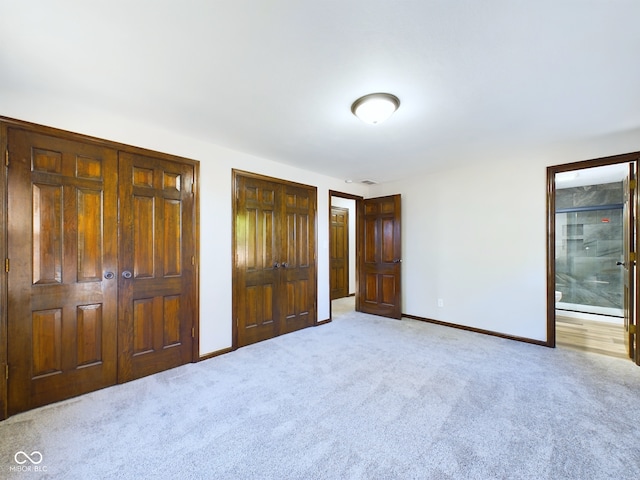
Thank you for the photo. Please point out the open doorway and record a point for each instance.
(591, 262)
(589, 283)
(342, 251)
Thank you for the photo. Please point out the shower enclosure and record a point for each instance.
(588, 248)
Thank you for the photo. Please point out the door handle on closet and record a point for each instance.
(109, 275)
(126, 274)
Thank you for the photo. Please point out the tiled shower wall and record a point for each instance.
(588, 245)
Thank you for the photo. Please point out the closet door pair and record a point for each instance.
(101, 270)
(274, 257)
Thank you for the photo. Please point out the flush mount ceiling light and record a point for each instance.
(375, 108)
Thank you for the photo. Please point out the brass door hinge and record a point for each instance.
(632, 256)
(6, 372)
(632, 329)
(193, 332)
(6, 265)
(6, 157)
(193, 260)
(632, 184)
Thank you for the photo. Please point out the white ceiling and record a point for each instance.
(276, 78)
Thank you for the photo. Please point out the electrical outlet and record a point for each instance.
(440, 302)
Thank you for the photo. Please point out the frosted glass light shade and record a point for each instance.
(375, 108)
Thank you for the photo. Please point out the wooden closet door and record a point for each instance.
(157, 276)
(62, 244)
(298, 282)
(275, 258)
(257, 264)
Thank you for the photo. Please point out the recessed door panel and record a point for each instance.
(143, 236)
(89, 246)
(47, 234)
(89, 335)
(47, 342)
(172, 238)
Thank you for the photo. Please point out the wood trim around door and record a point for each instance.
(4, 365)
(551, 227)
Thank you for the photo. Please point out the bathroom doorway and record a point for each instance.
(591, 265)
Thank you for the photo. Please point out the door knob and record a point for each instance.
(397, 260)
(285, 264)
(109, 275)
(126, 274)
(276, 265)
(620, 263)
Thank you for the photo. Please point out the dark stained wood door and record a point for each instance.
(339, 252)
(157, 276)
(298, 259)
(62, 246)
(274, 258)
(629, 261)
(380, 257)
(257, 262)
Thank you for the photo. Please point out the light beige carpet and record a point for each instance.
(363, 397)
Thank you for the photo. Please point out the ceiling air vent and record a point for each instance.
(368, 182)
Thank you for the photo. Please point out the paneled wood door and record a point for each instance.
(102, 279)
(157, 265)
(62, 245)
(339, 252)
(298, 251)
(380, 258)
(274, 258)
(257, 247)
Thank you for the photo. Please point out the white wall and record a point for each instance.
(351, 206)
(475, 237)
